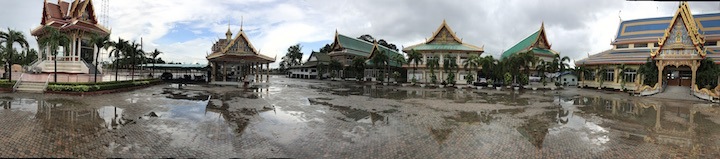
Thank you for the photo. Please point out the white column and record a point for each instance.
(95, 49)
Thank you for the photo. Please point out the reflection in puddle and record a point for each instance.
(351, 114)
(113, 117)
(681, 126)
(457, 95)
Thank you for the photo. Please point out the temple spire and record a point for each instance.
(241, 22)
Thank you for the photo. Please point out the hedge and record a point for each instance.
(100, 86)
(7, 84)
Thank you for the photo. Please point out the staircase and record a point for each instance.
(31, 87)
(64, 66)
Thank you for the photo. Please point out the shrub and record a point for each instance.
(89, 87)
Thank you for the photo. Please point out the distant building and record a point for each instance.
(567, 79)
(677, 44)
(538, 44)
(312, 68)
(345, 49)
(443, 43)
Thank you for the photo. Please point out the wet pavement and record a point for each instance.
(326, 119)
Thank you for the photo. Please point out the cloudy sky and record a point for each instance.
(185, 29)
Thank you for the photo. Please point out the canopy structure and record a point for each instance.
(235, 59)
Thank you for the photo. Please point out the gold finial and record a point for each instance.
(242, 19)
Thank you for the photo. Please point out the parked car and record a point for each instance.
(166, 76)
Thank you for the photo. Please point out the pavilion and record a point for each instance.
(537, 43)
(235, 60)
(79, 22)
(443, 43)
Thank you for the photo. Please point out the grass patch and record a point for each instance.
(100, 86)
(7, 84)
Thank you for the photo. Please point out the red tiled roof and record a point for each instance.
(57, 16)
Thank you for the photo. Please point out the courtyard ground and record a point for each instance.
(328, 119)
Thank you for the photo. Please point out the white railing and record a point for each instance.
(17, 83)
(46, 82)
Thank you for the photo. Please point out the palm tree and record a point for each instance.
(487, 63)
(10, 38)
(358, 64)
(601, 75)
(450, 66)
(621, 75)
(52, 40)
(120, 48)
(470, 65)
(135, 52)
(335, 66)
(415, 57)
(378, 60)
(581, 70)
(400, 60)
(154, 54)
(432, 64)
(99, 42)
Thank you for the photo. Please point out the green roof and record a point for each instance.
(176, 66)
(360, 47)
(522, 45)
(321, 57)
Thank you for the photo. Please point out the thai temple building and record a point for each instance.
(79, 22)
(234, 60)
(312, 67)
(443, 43)
(537, 43)
(676, 44)
(346, 48)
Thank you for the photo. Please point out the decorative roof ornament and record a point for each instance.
(698, 40)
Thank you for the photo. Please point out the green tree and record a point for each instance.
(707, 74)
(10, 38)
(101, 42)
(581, 71)
(601, 74)
(450, 67)
(335, 66)
(400, 60)
(134, 53)
(358, 65)
(649, 71)
(621, 75)
(294, 55)
(154, 54)
(470, 65)
(379, 60)
(120, 48)
(416, 58)
(432, 64)
(52, 40)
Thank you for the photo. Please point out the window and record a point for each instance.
(573, 80)
(630, 75)
(564, 79)
(711, 43)
(641, 45)
(589, 76)
(609, 75)
(622, 46)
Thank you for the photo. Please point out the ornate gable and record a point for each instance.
(87, 12)
(444, 35)
(682, 38)
(541, 41)
(240, 45)
(336, 42)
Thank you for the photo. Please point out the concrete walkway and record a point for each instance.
(676, 92)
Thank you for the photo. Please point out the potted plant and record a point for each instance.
(433, 79)
(396, 75)
(442, 84)
(413, 81)
(490, 83)
(508, 79)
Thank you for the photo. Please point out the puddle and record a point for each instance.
(351, 114)
(185, 94)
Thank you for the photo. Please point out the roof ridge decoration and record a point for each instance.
(543, 36)
(698, 40)
(234, 42)
(439, 30)
(336, 41)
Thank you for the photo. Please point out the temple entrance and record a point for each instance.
(680, 76)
